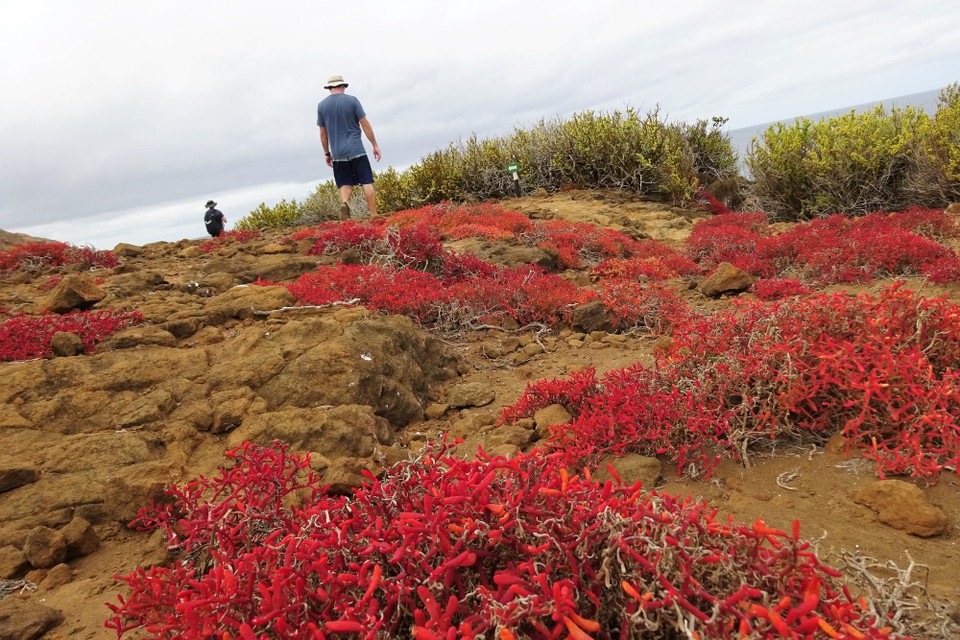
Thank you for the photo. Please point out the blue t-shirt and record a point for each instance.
(340, 115)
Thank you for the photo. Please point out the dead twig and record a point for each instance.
(786, 477)
(9, 587)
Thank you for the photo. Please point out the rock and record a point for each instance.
(59, 575)
(26, 619)
(631, 468)
(140, 336)
(531, 350)
(66, 344)
(903, 506)
(337, 432)
(10, 417)
(44, 547)
(36, 576)
(279, 268)
(592, 316)
(498, 348)
(156, 550)
(10, 239)
(505, 253)
(507, 434)
(124, 496)
(232, 405)
(383, 361)
(662, 345)
(614, 338)
(549, 416)
(953, 208)
(182, 328)
(12, 562)
(470, 394)
(270, 249)
(434, 411)
(344, 475)
(74, 291)
(191, 252)
(81, 538)
(726, 279)
(462, 428)
(13, 475)
(245, 301)
(127, 250)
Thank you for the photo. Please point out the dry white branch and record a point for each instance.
(9, 587)
(889, 589)
(336, 303)
(786, 477)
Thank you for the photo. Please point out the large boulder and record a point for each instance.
(726, 280)
(384, 362)
(903, 506)
(44, 548)
(592, 316)
(26, 619)
(334, 432)
(74, 291)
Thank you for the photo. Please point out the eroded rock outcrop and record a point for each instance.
(99, 436)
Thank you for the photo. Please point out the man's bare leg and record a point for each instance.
(370, 195)
(346, 191)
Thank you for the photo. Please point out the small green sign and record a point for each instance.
(513, 167)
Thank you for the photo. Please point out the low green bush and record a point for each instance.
(856, 163)
(282, 214)
(616, 150)
(935, 175)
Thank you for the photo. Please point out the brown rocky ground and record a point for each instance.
(86, 440)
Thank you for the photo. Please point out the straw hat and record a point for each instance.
(335, 81)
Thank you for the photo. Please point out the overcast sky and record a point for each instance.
(119, 119)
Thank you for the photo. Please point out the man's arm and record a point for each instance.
(326, 146)
(368, 131)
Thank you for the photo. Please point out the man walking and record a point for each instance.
(341, 118)
(214, 219)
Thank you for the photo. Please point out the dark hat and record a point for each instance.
(335, 81)
(211, 203)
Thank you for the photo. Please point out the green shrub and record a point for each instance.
(282, 214)
(393, 191)
(857, 163)
(713, 156)
(324, 204)
(936, 172)
(617, 150)
(437, 177)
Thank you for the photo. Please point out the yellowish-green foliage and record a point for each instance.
(618, 150)
(324, 204)
(282, 214)
(853, 163)
(713, 156)
(938, 153)
(858, 162)
(945, 137)
(437, 177)
(394, 191)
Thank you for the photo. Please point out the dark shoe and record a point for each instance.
(344, 211)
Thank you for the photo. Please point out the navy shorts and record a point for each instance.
(353, 171)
